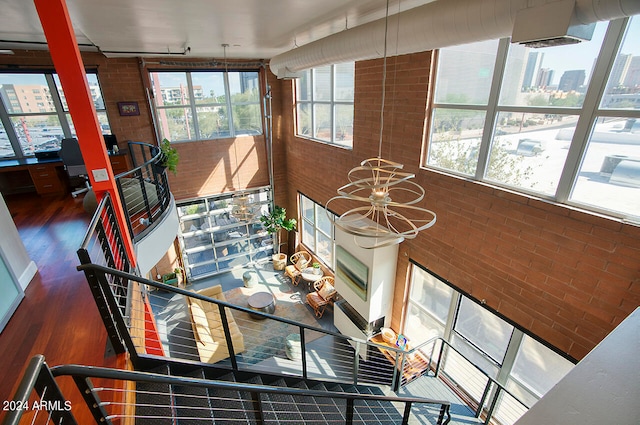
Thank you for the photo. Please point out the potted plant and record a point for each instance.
(168, 157)
(174, 278)
(273, 223)
(316, 268)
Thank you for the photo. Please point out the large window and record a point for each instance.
(213, 240)
(317, 230)
(207, 105)
(34, 115)
(538, 121)
(526, 367)
(324, 104)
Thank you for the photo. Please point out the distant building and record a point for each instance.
(572, 80)
(545, 77)
(534, 63)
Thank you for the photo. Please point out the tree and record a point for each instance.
(274, 222)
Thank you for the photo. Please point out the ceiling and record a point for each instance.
(252, 29)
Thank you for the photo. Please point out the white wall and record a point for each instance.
(156, 243)
(13, 249)
(604, 388)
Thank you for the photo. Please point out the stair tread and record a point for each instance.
(153, 401)
(192, 402)
(230, 405)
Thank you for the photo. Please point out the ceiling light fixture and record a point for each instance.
(389, 213)
(242, 206)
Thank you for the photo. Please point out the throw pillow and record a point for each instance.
(326, 291)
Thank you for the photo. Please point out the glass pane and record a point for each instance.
(322, 83)
(344, 125)
(307, 208)
(25, 93)
(96, 92)
(38, 132)
(465, 73)
(247, 119)
(344, 81)
(177, 123)
(170, 88)
(212, 121)
(6, 150)
(308, 233)
(421, 326)
(322, 114)
(322, 220)
(303, 86)
(208, 87)
(304, 119)
(529, 150)
(455, 139)
(550, 76)
(324, 250)
(244, 87)
(102, 119)
(537, 367)
(431, 294)
(609, 176)
(622, 89)
(485, 330)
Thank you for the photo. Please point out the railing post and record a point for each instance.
(303, 353)
(444, 409)
(439, 363)
(257, 407)
(395, 384)
(48, 389)
(92, 400)
(349, 412)
(227, 336)
(492, 406)
(483, 398)
(356, 363)
(407, 413)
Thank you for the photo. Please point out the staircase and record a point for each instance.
(177, 394)
(195, 405)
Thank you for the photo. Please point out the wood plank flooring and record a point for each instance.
(58, 316)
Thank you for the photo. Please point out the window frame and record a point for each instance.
(587, 114)
(333, 104)
(316, 229)
(61, 112)
(192, 105)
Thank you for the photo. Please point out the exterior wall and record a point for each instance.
(567, 276)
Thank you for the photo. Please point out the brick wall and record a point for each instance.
(567, 276)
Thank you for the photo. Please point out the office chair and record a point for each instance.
(74, 163)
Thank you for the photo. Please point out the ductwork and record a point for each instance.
(441, 23)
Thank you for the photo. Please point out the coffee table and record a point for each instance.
(263, 302)
(310, 276)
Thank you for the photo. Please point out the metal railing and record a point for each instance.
(119, 403)
(144, 190)
(492, 401)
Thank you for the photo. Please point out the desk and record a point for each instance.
(45, 176)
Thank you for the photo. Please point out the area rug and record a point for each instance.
(267, 338)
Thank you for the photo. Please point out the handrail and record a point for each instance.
(128, 375)
(40, 377)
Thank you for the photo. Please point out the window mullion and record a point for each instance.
(597, 86)
(492, 106)
(333, 103)
(57, 102)
(10, 130)
(227, 95)
(510, 356)
(192, 106)
(451, 318)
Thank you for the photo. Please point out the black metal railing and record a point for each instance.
(493, 402)
(107, 406)
(144, 190)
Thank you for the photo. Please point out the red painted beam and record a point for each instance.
(67, 60)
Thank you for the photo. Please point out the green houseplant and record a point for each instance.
(273, 222)
(169, 156)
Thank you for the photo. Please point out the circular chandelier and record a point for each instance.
(388, 213)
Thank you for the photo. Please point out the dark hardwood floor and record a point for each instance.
(58, 316)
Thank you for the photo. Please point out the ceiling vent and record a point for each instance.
(549, 25)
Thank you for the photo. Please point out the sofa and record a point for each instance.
(208, 330)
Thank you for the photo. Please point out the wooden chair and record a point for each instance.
(299, 261)
(324, 294)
